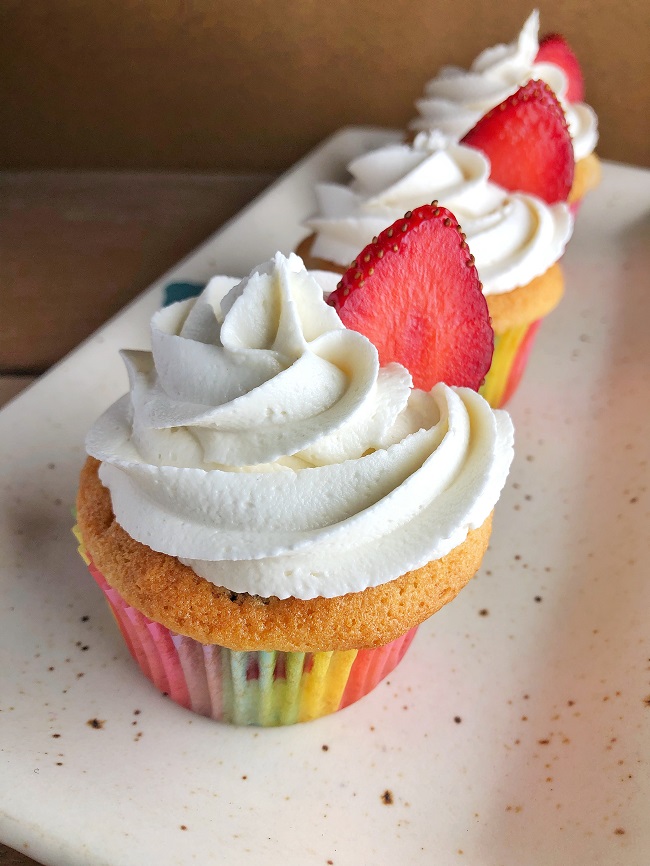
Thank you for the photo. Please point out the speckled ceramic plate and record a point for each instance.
(515, 732)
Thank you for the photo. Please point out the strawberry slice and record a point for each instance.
(415, 293)
(556, 50)
(527, 141)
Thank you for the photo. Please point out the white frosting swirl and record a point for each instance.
(514, 237)
(456, 99)
(262, 445)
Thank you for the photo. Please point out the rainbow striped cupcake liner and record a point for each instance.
(511, 352)
(266, 688)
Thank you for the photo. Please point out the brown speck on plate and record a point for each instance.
(95, 723)
(619, 831)
(325, 747)
(483, 611)
(387, 798)
(183, 827)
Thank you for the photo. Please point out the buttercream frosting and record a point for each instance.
(262, 444)
(514, 237)
(456, 99)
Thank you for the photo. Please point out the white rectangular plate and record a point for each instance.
(516, 729)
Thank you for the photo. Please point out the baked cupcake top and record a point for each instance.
(514, 237)
(263, 445)
(456, 98)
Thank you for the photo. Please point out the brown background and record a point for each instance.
(209, 85)
(190, 91)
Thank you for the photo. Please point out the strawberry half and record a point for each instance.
(527, 141)
(556, 50)
(415, 293)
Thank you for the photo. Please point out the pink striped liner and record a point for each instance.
(229, 686)
(371, 666)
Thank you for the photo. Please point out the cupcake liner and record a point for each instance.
(511, 352)
(174, 292)
(264, 688)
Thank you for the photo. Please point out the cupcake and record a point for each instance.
(274, 508)
(457, 98)
(516, 239)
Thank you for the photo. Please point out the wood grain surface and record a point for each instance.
(76, 247)
(9, 857)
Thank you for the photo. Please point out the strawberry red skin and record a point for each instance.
(527, 141)
(415, 293)
(555, 49)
